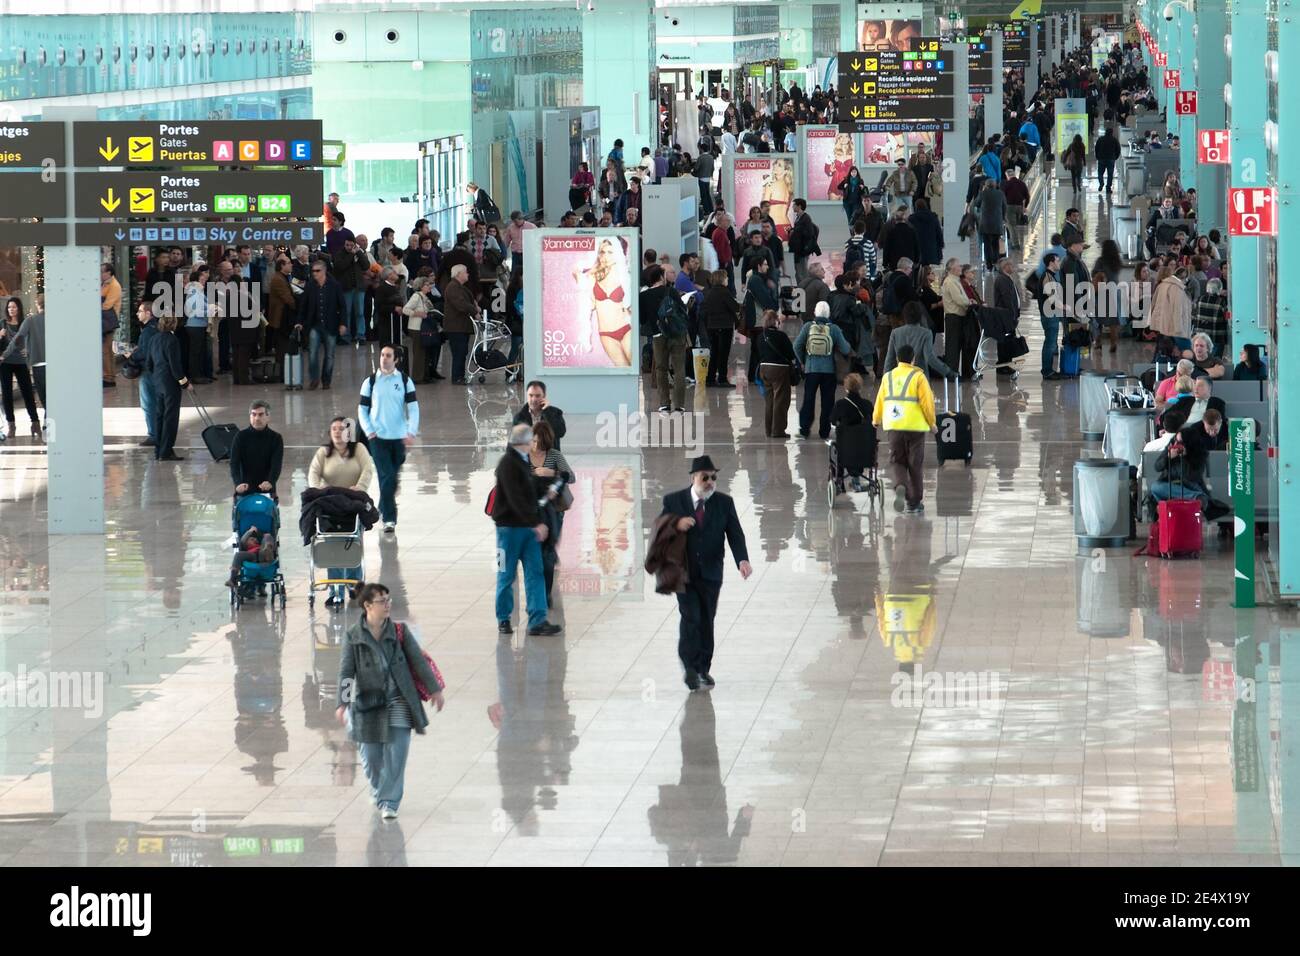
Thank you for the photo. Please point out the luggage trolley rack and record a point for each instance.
(332, 548)
(487, 353)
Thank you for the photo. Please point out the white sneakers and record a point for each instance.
(389, 813)
(390, 527)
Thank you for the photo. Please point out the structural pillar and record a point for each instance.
(797, 33)
(1185, 126)
(1287, 247)
(1249, 162)
(956, 149)
(994, 100)
(618, 63)
(75, 440)
(1211, 75)
(1033, 75)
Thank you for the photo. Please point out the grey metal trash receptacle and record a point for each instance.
(1094, 401)
(1127, 431)
(1101, 503)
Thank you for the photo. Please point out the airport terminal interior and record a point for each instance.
(375, 225)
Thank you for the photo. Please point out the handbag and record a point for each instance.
(1078, 338)
(564, 500)
(107, 321)
(424, 692)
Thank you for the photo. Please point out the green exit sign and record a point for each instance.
(274, 204)
(230, 203)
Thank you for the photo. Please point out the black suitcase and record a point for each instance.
(954, 440)
(262, 371)
(219, 438)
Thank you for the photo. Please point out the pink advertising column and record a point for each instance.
(581, 324)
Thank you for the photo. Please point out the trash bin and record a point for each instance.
(1127, 431)
(1094, 402)
(1101, 503)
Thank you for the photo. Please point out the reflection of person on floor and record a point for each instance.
(259, 695)
(536, 728)
(691, 816)
(609, 302)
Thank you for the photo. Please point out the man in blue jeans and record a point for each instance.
(815, 346)
(520, 532)
(321, 315)
(390, 416)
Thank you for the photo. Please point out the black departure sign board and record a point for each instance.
(895, 91)
(1015, 42)
(979, 61)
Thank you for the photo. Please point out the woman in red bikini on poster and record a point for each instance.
(778, 190)
(608, 303)
(841, 163)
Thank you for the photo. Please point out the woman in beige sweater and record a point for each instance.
(956, 303)
(341, 463)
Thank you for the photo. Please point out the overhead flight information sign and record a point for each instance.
(216, 143)
(979, 59)
(31, 145)
(1015, 42)
(225, 233)
(892, 91)
(130, 194)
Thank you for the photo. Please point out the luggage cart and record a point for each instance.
(332, 548)
(490, 351)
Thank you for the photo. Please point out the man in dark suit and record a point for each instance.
(706, 517)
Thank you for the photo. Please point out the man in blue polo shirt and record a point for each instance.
(390, 416)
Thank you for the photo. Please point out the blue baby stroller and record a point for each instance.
(262, 512)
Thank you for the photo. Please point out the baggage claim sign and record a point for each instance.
(892, 91)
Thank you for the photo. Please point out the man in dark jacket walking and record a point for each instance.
(538, 409)
(898, 239)
(1107, 152)
(350, 266)
(520, 533)
(803, 240)
(929, 232)
(322, 317)
(707, 517)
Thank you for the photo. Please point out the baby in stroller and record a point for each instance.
(256, 547)
(256, 561)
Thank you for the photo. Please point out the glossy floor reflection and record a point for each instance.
(961, 688)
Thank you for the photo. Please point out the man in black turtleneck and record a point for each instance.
(257, 453)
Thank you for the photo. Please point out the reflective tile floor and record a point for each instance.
(961, 688)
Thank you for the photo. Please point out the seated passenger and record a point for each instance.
(1166, 389)
(1182, 466)
(1250, 367)
(1203, 401)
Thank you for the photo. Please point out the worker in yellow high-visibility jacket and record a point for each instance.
(905, 409)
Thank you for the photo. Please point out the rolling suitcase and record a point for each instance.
(1177, 530)
(953, 440)
(218, 438)
(262, 370)
(293, 372)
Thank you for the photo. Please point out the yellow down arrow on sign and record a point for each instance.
(110, 203)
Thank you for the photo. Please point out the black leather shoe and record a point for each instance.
(707, 681)
(692, 680)
(504, 627)
(544, 630)
(172, 457)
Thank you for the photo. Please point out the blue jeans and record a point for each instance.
(814, 382)
(515, 545)
(354, 316)
(318, 339)
(896, 201)
(385, 766)
(337, 590)
(1051, 342)
(1164, 490)
(147, 404)
(516, 346)
(389, 455)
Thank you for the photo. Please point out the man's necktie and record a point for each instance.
(699, 514)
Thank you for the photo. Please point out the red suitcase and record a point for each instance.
(1178, 529)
